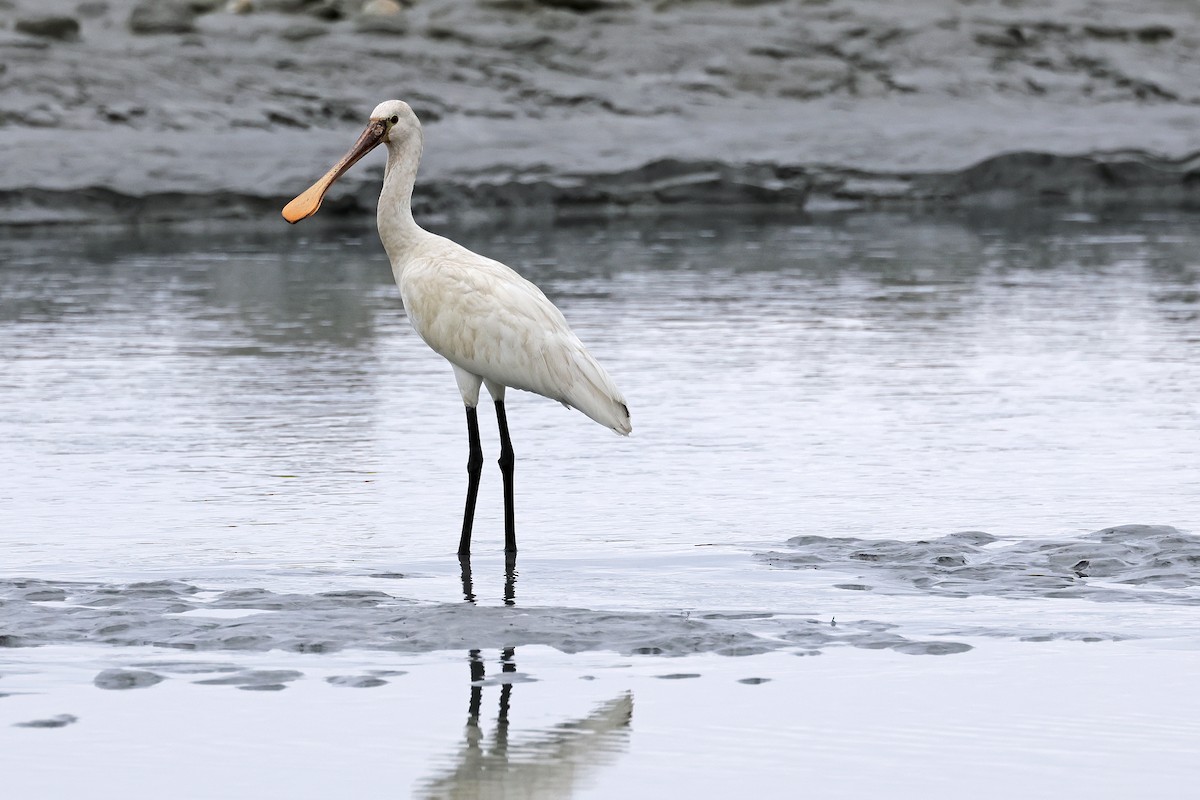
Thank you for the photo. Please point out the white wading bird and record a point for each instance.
(493, 326)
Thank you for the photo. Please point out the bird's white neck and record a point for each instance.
(397, 228)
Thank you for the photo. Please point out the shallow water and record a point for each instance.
(226, 457)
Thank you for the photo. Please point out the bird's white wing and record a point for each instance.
(485, 318)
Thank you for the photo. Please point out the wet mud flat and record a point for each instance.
(1153, 565)
(495, 698)
(372, 691)
(168, 614)
(225, 110)
(1127, 563)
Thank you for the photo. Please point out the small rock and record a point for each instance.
(162, 16)
(356, 681)
(60, 721)
(59, 27)
(381, 8)
(126, 679)
(381, 16)
(240, 6)
(933, 648)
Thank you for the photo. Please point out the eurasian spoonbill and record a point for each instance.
(494, 327)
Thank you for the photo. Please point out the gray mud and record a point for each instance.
(131, 110)
(1129, 563)
(1126, 563)
(57, 721)
(126, 679)
(356, 681)
(151, 614)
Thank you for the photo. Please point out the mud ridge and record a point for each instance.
(1126, 563)
(168, 614)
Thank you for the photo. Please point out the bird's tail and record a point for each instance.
(614, 415)
(595, 394)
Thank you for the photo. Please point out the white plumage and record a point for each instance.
(495, 327)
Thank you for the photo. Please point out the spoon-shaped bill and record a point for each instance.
(306, 203)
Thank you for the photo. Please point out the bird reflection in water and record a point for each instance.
(510, 579)
(548, 764)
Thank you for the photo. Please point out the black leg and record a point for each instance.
(474, 469)
(507, 461)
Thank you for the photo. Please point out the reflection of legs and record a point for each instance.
(477, 676)
(473, 733)
(474, 469)
(507, 664)
(510, 579)
(507, 462)
(549, 764)
(464, 561)
(478, 673)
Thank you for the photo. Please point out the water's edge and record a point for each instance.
(1006, 180)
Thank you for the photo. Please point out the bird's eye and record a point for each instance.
(395, 118)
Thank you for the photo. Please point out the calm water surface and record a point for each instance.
(251, 409)
(182, 402)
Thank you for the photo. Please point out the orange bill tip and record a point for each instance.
(306, 203)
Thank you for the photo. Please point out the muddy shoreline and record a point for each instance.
(165, 111)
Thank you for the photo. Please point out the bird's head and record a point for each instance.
(392, 122)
